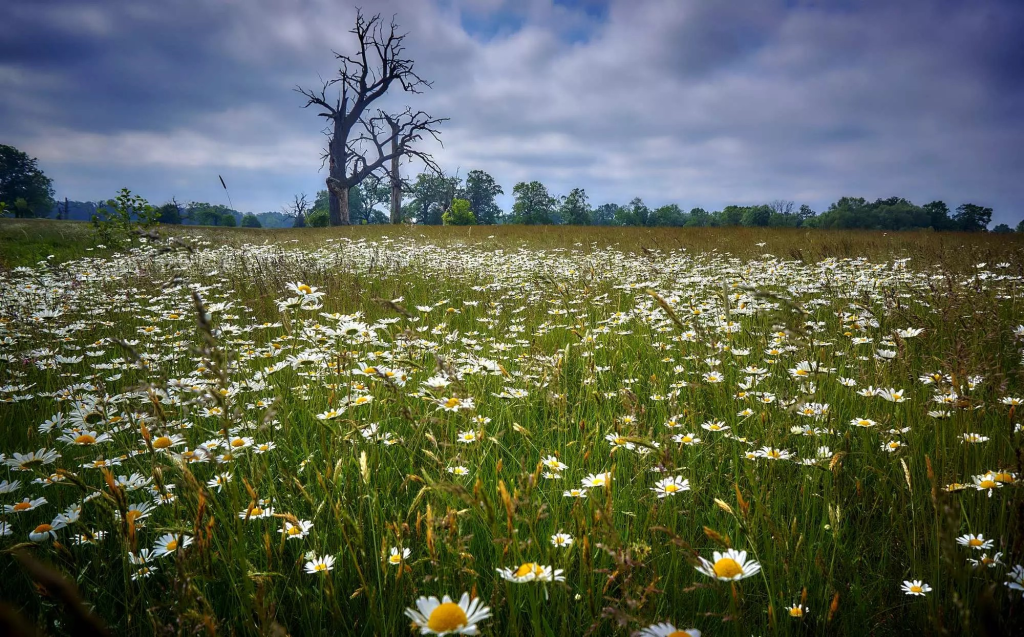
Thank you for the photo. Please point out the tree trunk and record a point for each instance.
(336, 182)
(396, 177)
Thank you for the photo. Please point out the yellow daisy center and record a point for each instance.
(1003, 477)
(237, 442)
(727, 567)
(255, 512)
(446, 618)
(452, 402)
(320, 567)
(678, 633)
(294, 530)
(987, 484)
(796, 611)
(162, 442)
(172, 545)
(526, 569)
(395, 559)
(916, 589)
(85, 439)
(43, 528)
(22, 506)
(671, 488)
(975, 542)
(305, 289)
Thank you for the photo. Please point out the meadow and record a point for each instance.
(568, 431)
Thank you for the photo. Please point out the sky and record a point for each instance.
(693, 102)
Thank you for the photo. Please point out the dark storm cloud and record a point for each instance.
(695, 102)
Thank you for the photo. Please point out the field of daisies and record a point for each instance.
(397, 435)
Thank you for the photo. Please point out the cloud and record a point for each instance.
(672, 100)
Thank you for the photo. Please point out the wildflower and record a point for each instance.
(892, 395)
(552, 463)
(774, 454)
(296, 531)
(863, 422)
(467, 437)
(985, 560)
(797, 611)
(597, 480)
(729, 566)
(256, 513)
(458, 470)
(398, 555)
(532, 572)
(686, 439)
(30, 460)
(987, 482)
(1015, 578)
(715, 425)
(667, 630)
(916, 587)
(575, 493)
(320, 564)
(169, 543)
(670, 486)
(563, 540)
(24, 505)
(454, 403)
(219, 481)
(45, 532)
(974, 541)
(443, 616)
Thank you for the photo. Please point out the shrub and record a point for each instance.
(458, 214)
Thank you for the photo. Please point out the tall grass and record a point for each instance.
(608, 332)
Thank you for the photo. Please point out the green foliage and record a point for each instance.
(117, 220)
(671, 215)
(1002, 229)
(533, 205)
(756, 216)
(169, 214)
(605, 214)
(319, 218)
(431, 195)
(480, 190)
(458, 214)
(21, 179)
(249, 220)
(972, 218)
(636, 213)
(228, 220)
(575, 209)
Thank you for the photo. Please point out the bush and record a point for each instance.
(249, 220)
(319, 218)
(228, 219)
(458, 214)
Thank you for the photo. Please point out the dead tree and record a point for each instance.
(297, 210)
(359, 144)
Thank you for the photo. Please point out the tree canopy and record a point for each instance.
(23, 186)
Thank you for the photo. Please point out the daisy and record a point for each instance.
(715, 425)
(45, 532)
(796, 610)
(296, 531)
(575, 493)
(467, 437)
(256, 513)
(24, 505)
(670, 486)
(667, 630)
(985, 560)
(84, 438)
(398, 555)
(597, 480)
(169, 543)
(531, 572)
(320, 564)
(444, 617)
(774, 454)
(916, 587)
(552, 464)
(30, 460)
(161, 443)
(219, 481)
(563, 540)
(458, 471)
(1015, 578)
(974, 541)
(863, 422)
(729, 566)
(987, 482)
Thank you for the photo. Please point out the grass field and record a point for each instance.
(306, 431)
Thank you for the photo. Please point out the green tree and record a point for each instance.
(757, 216)
(1020, 226)
(431, 195)
(169, 214)
(480, 190)
(575, 209)
(533, 204)
(670, 215)
(228, 220)
(1002, 229)
(698, 218)
(249, 220)
(458, 214)
(319, 218)
(605, 214)
(21, 178)
(972, 218)
(635, 213)
(938, 216)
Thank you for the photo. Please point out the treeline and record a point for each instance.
(192, 213)
(431, 195)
